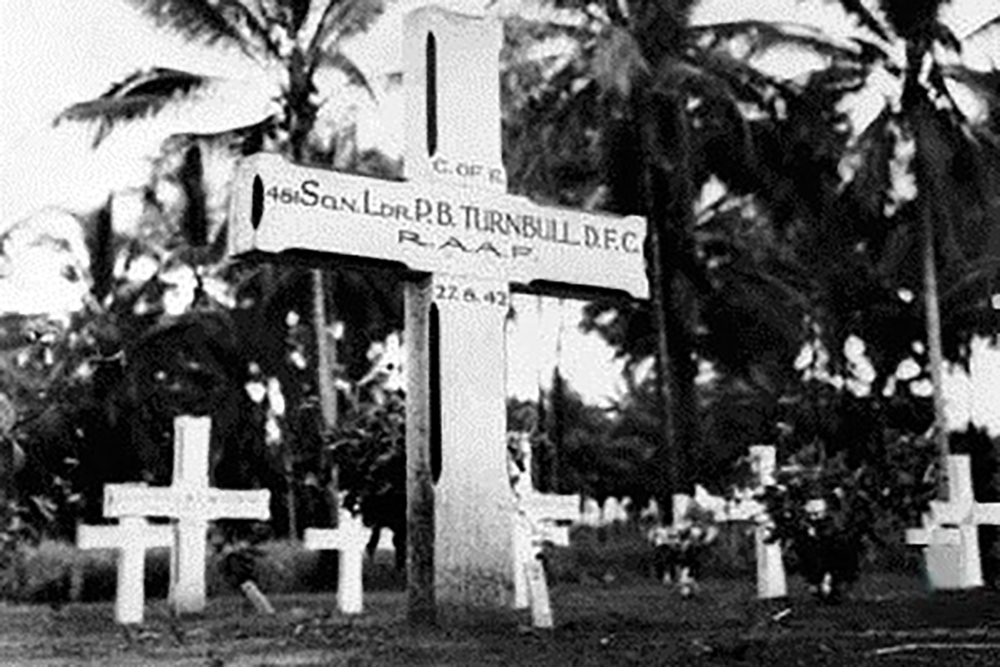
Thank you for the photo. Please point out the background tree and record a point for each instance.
(641, 115)
(300, 42)
(921, 189)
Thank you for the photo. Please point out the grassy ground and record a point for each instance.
(888, 620)
(608, 611)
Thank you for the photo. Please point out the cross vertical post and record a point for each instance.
(187, 559)
(131, 538)
(453, 136)
(771, 580)
(462, 244)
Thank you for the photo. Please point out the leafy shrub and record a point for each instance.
(868, 506)
(369, 449)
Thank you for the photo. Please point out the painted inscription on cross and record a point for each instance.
(191, 503)
(463, 244)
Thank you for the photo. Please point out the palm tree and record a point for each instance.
(923, 184)
(666, 106)
(298, 40)
(293, 42)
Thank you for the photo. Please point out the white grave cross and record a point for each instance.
(771, 581)
(131, 538)
(349, 538)
(950, 532)
(192, 504)
(462, 242)
(538, 518)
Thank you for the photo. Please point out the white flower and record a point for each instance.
(256, 391)
(275, 397)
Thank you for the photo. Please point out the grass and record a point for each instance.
(597, 623)
(607, 607)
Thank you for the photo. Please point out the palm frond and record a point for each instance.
(857, 9)
(139, 95)
(227, 21)
(340, 62)
(763, 36)
(342, 19)
(295, 13)
(983, 30)
(985, 84)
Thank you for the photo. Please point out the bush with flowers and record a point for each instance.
(679, 547)
(831, 517)
(369, 445)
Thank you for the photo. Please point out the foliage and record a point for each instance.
(581, 448)
(368, 446)
(255, 337)
(869, 504)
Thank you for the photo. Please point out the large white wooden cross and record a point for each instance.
(464, 243)
(192, 504)
(950, 531)
(131, 538)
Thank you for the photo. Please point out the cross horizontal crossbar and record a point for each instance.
(551, 507)
(956, 513)
(929, 536)
(320, 539)
(279, 207)
(143, 535)
(196, 503)
(557, 535)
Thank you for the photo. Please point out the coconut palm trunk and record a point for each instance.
(326, 363)
(935, 354)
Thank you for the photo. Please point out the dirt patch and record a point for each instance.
(887, 621)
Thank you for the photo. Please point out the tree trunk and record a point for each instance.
(934, 347)
(669, 203)
(326, 351)
(666, 462)
(421, 603)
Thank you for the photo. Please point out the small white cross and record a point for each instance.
(349, 539)
(192, 503)
(950, 531)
